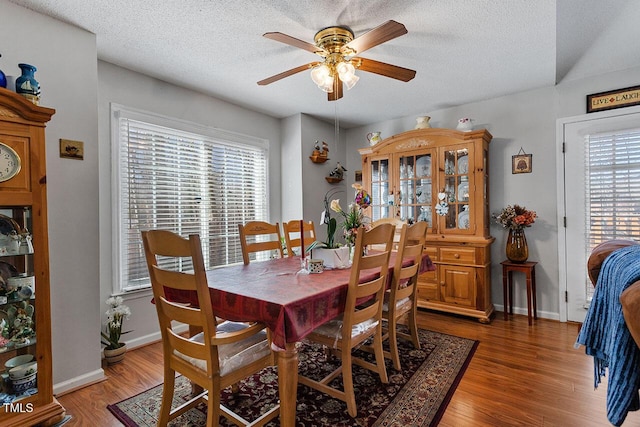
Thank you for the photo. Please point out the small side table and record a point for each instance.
(529, 269)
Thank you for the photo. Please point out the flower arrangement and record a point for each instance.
(353, 218)
(515, 217)
(116, 315)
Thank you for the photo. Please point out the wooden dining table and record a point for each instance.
(291, 302)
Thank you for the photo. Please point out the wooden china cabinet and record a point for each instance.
(25, 313)
(440, 176)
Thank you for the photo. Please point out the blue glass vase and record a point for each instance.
(3, 79)
(27, 85)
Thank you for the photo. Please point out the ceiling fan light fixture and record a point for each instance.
(320, 73)
(340, 52)
(345, 70)
(347, 73)
(351, 81)
(327, 85)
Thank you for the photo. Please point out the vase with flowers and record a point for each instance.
(117, 313)
(516, 218)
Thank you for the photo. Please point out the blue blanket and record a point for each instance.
(606, 337)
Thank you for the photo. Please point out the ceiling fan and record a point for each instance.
(339, 50)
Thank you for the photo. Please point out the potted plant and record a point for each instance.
(117, 313)
(334, 254)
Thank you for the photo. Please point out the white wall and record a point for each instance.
(291, 154)
(315, 184)
(303, 182)
(125, 87)
(65, 57)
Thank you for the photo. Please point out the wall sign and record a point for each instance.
(618, 98)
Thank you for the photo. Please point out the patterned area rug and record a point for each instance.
(416, 396)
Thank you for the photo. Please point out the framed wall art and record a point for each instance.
(70, 149)
(618, 98)
(521, 162)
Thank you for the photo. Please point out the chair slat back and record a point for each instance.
(396, 222)
(373, 290)
(293, 228)
(159, 246)
(410, 247)
(258, 236)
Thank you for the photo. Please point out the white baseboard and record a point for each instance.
(523, 311)
(153, 337)
(79, 381)
(98, 375)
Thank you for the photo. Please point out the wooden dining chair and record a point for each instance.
(219, 356)
(292, 228)
(358, 323)
(396, 222)
(400, 300)
(259, 236)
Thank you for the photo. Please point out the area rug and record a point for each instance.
(416, 396)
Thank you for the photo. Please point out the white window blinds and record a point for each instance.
(613, 188)
(186, 182)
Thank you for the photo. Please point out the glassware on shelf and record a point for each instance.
(463, 164)
(463, 189)
(463, 218)
(425, 214)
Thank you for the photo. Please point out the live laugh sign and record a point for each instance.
(613, 99)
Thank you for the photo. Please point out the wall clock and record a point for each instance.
(10, 163)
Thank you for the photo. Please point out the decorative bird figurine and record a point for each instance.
(338, 171)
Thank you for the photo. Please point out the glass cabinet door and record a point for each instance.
(381, 195)
(416, 179)
(17, 304)
(455, 208)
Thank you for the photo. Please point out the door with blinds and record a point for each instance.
(602, 194)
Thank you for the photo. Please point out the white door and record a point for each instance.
(590, 198)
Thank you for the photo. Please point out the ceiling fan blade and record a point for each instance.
(292, 41)
(287, 73)
(385, 32)
(386, 70)
(337, 89)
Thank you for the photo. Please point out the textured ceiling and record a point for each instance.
(462, 50)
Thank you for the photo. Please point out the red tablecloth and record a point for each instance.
(290, 303)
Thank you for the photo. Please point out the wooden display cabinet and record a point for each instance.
(440, 176)
(23, 206)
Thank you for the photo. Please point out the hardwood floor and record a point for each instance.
(520, 375)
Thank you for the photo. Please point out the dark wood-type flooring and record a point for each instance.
(520, 376)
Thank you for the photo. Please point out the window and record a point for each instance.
(613, 188)
(185, 178)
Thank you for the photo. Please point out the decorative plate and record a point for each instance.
(423, 166)
(463, 220)
(463, 164)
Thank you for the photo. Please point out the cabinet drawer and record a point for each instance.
(432, 252)
(458, 255)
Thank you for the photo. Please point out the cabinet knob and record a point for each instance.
(456, 256)
(441, 283)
